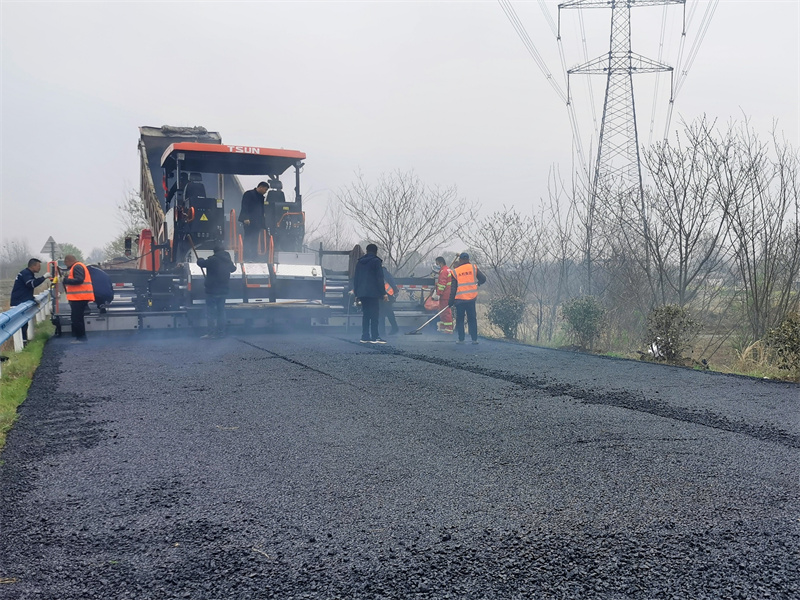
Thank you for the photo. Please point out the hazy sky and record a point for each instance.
(444, 88)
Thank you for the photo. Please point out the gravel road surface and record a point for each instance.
(312, 466)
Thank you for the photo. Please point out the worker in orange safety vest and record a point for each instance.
(467, 278)
(78, 285)
(386, 308)
(442, 294)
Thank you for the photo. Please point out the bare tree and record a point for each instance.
(406, 218)
(683, 214)
(760, 180)
(510, 246)
(334, 231)
(554, 276)
(625, 280)
(132, 219)
(14, 256)
(588, 207)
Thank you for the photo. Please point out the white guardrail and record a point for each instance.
(31, 312)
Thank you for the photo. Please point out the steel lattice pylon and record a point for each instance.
(618, 165)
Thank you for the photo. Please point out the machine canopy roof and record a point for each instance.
(230, 160)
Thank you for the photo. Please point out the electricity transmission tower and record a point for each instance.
(618, 165)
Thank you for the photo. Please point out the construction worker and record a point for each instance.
(78, 285)
(219, 267)
(24, 284)
(252, 218)
(369, 288)
(466, 279)
(444, 283)
(387, 308)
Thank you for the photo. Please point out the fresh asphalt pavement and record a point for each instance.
(311, 466)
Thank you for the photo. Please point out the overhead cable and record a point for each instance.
(588, 79)
(528, 43)
(658, 76)
(704, 25)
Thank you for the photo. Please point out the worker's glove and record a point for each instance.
(435, 297)
(48, 276)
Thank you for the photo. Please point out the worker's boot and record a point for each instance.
(212, 331)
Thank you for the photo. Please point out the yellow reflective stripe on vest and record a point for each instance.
(467, 278)
(83, 291)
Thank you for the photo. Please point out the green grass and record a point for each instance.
(18, 371)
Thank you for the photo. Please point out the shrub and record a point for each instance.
(671, 331)
(585, 317)
(784, 343)
(506, 312)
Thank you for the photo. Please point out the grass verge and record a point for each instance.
(18, 371)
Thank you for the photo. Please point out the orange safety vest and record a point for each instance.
(467, 278)
(82, 291)
(389, 290)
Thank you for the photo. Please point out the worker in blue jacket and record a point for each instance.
(24, 285)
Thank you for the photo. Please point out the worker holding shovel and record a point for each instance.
(443, 288)
(219, 267)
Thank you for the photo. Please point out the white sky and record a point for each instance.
(444, 88)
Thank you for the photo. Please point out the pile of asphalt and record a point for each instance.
(313, 467)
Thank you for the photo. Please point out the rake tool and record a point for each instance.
(419, 329)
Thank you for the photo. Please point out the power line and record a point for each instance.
(683, 71)
(703, 30)
(528, 43)
(522, 33)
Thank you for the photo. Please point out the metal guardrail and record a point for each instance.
(12, 320)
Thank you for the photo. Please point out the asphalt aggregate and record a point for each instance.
(307, 465)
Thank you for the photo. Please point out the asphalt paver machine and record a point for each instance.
(196, 209)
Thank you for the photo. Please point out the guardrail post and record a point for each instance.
(17, 339)
(30, 312)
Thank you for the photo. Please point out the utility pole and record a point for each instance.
(618, 164)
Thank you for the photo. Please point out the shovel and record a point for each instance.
(196, 257)
(417, 331)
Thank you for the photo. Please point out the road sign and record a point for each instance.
(51, 248)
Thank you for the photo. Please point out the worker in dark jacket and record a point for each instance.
(386, 309)
(369, 289)
(463, 294)
(24, 285)
(252, 218)
(219, 267)
(80, 291)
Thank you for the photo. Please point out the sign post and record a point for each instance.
(51, 248)
(54, 250)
